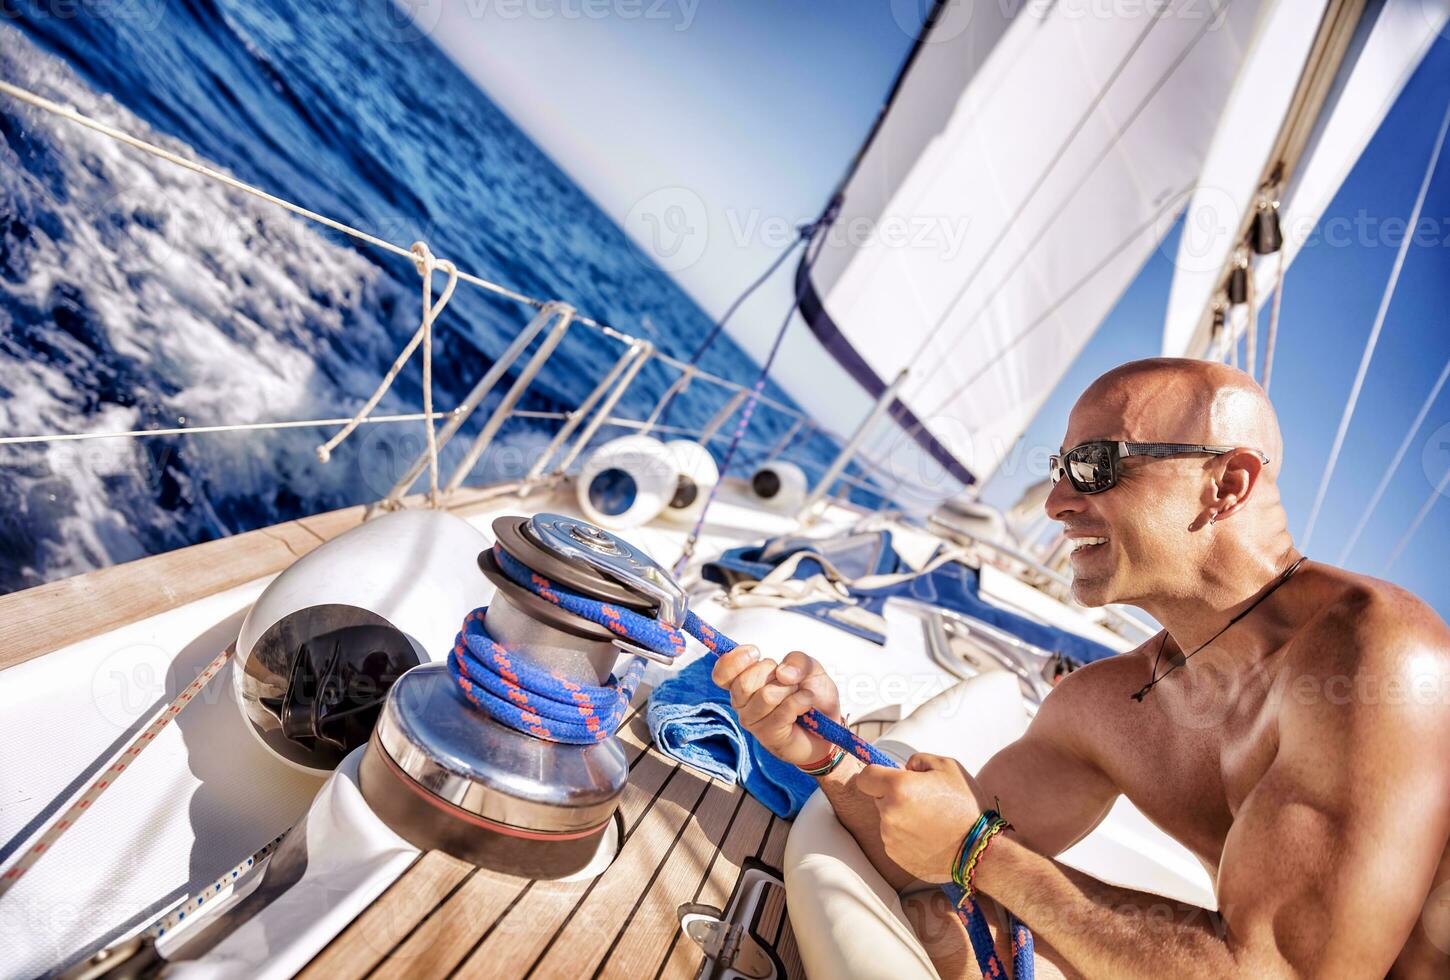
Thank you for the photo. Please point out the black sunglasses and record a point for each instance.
(1093, 466)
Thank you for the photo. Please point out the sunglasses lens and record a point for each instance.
(1090, 468)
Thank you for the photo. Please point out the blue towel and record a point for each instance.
(690, 719)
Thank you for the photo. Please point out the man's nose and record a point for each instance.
(1062, 500)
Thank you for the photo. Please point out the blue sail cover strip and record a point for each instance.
(952, 586)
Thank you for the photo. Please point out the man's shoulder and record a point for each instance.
(1370, 649)
(1084, 693)
(1365, 623)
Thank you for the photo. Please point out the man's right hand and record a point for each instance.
(769, 697)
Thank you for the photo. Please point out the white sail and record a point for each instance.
(1047, 179)
(1390, 40)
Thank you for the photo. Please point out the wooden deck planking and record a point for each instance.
(788, 951)
(445, 936)
(389, 919)
(46, 617)
(742, 839)
(511, 946)
(442, 918)
(645, 940)
(588, 933)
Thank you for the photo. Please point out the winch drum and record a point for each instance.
(445, 775)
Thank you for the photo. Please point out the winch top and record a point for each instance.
(593, 562)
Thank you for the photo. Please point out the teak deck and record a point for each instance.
(686, 837)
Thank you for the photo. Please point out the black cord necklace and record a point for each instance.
(1179, 661)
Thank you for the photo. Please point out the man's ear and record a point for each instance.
(1236, 482)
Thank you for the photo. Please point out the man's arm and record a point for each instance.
(1046, 781)
(1328, 862)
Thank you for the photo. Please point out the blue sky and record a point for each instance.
(747, 112)
(744, 113)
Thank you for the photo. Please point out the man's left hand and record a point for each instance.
(926, 809)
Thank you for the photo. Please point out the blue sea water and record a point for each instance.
(134, 294)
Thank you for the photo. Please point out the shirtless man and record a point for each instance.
(1301, 755)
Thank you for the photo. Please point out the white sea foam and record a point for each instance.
(211, 307)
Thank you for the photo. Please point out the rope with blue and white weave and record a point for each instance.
(527, 698)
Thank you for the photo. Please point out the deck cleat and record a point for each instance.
(446, 775)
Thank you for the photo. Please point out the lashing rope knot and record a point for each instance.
(521, 695)
(426, 264)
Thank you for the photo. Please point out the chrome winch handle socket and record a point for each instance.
(577, 540)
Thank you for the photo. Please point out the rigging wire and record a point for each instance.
(1435, 494)
(1273, 332)
(814, 237)
(1374, 334)
(71, 114)
(683, 383)
(1389, 473)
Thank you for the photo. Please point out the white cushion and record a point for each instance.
(848, 921)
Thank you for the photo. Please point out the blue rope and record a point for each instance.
(527, 698)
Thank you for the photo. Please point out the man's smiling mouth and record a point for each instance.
(1078, 544)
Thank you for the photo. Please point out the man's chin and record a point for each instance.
(1092, 591)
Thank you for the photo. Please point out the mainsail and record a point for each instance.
(1031, 159)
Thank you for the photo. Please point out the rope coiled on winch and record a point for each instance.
(516, 693)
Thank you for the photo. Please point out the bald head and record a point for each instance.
(1177, 399)
(1166, 526)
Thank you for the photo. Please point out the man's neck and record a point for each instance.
(1222, 591)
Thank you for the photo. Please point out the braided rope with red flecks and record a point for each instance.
(525, 697)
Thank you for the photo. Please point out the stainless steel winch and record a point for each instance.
(445, 775)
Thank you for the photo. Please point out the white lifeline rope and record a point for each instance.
(425, 262)
(206, 429)
(71, 114)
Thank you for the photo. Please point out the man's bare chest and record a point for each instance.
(1192, 757)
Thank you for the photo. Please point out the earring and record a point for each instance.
(1213, 517)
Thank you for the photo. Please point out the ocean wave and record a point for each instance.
(140, 295)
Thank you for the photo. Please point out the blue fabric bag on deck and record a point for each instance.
(690, 719)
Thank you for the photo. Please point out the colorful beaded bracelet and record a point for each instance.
(823, 767)
(973, 846)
